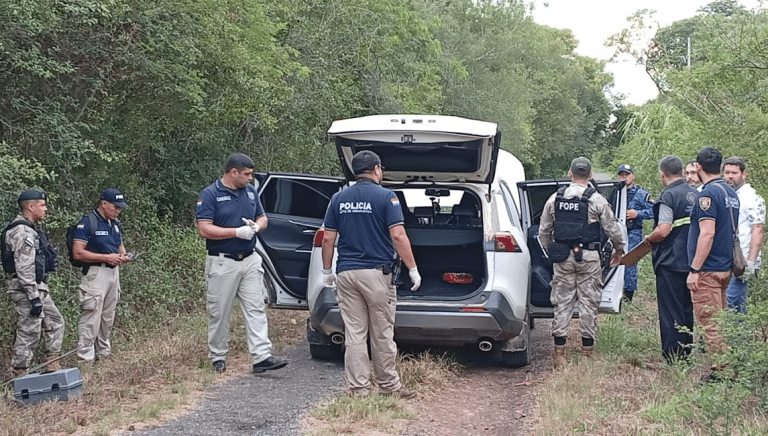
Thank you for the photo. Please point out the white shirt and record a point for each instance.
(751, 212)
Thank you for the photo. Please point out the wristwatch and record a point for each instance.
(694, 270)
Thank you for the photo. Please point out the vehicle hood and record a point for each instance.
(425, 148)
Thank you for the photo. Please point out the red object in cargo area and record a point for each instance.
(458, 278)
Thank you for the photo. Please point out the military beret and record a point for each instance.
(31, 194)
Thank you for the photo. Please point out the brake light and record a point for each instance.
(318, 241)
(506, 242)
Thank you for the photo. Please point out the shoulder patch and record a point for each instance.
(705, 203)
(691, 197)
(395, 201)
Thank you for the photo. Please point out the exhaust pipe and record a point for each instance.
(337, 338)
(485, 345)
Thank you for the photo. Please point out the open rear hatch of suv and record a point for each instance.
(424, 148)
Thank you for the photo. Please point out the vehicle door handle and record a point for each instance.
(307, 228)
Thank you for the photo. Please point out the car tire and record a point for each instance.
(516, 359)
(325, 352)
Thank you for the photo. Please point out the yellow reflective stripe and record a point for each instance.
(681, 222)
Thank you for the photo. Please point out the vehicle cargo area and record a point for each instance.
(446, 234)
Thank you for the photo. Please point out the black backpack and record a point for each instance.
(9, 265)
(93, 221)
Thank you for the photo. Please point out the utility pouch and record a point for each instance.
(558, 252)
(386, 269)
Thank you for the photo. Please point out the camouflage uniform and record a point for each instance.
(23, 288)
(579, 282)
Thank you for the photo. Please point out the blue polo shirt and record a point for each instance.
(107, 237)
(362, 215)
(711, 204)
(226, 207)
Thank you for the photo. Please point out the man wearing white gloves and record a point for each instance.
(368, 221)
(226, 211)
(750, 226)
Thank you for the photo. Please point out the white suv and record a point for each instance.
(471, 218)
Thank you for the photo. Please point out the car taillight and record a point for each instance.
(506, 242)
(319, 238)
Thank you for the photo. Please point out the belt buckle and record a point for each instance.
(239, 256)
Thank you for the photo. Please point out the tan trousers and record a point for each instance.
(708, 301)
(228, 279)
(99, 294)
(367, 300)
(28, 332)
(576, 283)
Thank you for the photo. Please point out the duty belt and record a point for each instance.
(234, 256)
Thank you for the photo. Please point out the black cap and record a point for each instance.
(32, 194)
(624, 168)
(581, 166)
(364, 161)
(114, 196)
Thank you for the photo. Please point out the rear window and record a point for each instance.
(440, 207)
(439, 157)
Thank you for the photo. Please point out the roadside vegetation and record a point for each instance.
(628, 389)
(155, 375)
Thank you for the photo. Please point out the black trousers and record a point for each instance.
(675, 311)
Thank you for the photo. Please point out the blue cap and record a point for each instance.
(114, 196)
(624, 168)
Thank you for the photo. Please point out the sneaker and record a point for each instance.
(400, 393)
(269, 364)
(219, 366)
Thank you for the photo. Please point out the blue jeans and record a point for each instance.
(737, 294)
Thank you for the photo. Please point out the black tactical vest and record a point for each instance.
(46, 256)
(572, 219)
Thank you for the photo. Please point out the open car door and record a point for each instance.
(295, 205)
(533, 195)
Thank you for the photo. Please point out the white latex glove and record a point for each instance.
(329, 278)
(252, 224)
(415, 278)
(245, 232)
(751, 267)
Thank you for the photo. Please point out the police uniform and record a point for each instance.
(99, 290)
(578, 282)
(232, 269)
(27, 244)
(713, 203)
(670, 263)
(639, 200)
(362, 215)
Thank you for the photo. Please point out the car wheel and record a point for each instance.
(325, 352)
(516, 359)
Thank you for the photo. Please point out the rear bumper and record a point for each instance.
(435, 323)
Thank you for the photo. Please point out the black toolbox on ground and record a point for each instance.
(60, 385)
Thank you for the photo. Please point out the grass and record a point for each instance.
(376, 414)
(627, 389)
(151, 378)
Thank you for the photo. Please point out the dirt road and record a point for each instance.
(485, 399)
